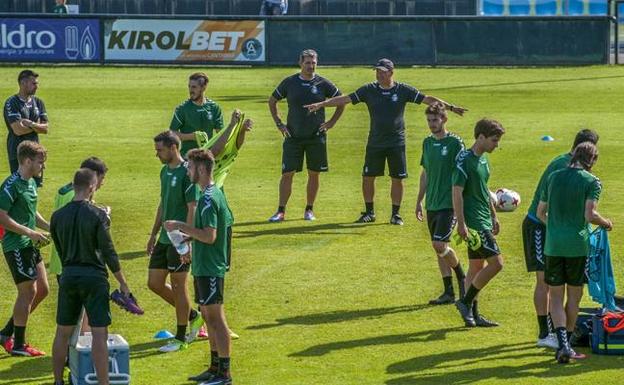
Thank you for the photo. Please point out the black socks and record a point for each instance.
(470, 295)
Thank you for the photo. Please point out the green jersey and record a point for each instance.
(64, 195)
(60, 9)
(560, 162)
(212, 211)
(472, 173)
(176, 191)
(566, 192)
(438, 160)
(189, 117)
(18, 197)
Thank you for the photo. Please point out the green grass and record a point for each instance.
(328, 302)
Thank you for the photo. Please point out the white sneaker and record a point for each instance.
(550, 341)
(173, 346)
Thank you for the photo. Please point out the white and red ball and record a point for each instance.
(507, 200)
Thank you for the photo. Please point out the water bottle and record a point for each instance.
(177, 238)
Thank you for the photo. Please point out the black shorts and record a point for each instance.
(90, 292)
(314, 149)
(441, 224)
(489, 247)
(559, 271)
(14, 165)
(533, 239)
(23, 263)
(375, 161)
(166, 257)
(208, 290)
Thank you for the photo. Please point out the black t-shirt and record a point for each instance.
(298, 93)
(81, 234)
(386, 109)
(15, 109)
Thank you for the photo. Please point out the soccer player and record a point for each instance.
(19, 216)
(82, 238)
(568, 203)
(439, 154)
(178, 196)
(212, 235)
(534, 237)
(25, 117)
(386, 100)
(304, 133)
(475, 211)
(198, 113)
(66, 194)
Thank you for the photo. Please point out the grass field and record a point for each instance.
(328, 302)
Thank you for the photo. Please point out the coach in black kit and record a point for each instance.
(25, 117)
(81, 235)
(386, 100)
(304, 132)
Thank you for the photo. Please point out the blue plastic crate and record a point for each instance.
(603, 342)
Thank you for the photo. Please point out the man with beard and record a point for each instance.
(198, 113)
(25, 117)
(439, 154)
(212, 235)
(19, 216)
(304, 133)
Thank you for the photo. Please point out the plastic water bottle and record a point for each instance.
(177, 238)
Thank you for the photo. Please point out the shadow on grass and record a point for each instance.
(395, 339)
(128, 255)
(340, 316)
(236, 98)
(146, 349)
(466, 87)
(447, 364)
(326, 229)
(29, 370)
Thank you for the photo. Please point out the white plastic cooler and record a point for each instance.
(81, 364)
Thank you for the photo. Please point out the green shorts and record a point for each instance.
(90, 292)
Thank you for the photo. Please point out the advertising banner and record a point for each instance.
(49, 40)
(184, 41)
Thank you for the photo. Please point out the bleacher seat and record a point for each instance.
(519, 7)
(493, 7)
(598, 7)
(545, 7)
(576, 7)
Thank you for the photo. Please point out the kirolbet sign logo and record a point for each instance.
(184, 40)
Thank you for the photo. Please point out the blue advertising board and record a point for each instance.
(50, 40)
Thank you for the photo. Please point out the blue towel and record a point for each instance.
(599, 270)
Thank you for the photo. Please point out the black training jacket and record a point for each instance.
(82, 239)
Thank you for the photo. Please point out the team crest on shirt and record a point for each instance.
(394, 97)
(314, 89)
(444, 151)
(174, 181)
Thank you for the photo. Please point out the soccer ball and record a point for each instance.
(507, 200)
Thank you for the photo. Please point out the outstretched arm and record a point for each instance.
(219, 145)
(338, 101)
(428, 100)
